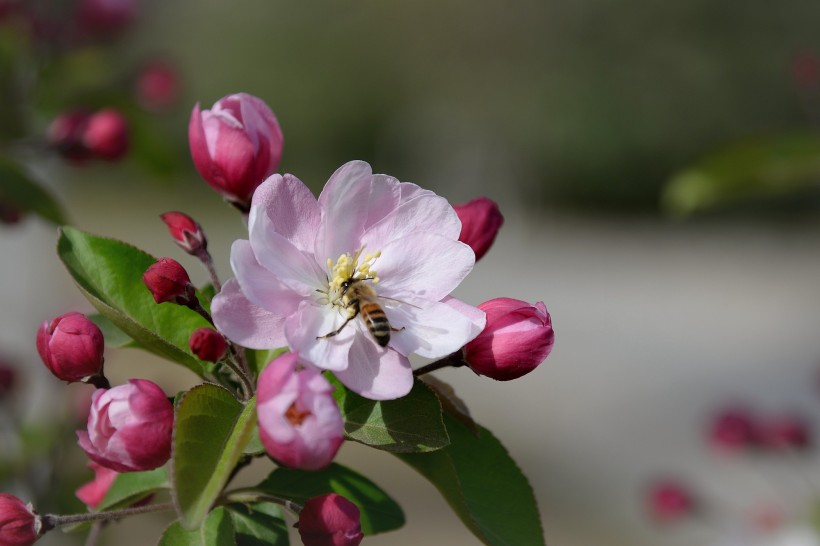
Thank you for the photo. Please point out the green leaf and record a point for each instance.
(258, 359)
(131, 487)
(211, 430)
(114, 337)
(754, 168)
(379, 512)
(410, 424)
(216, 530)
(484, 486)
(255, 446)
(259, 524)
(20, 191)
(109, 274)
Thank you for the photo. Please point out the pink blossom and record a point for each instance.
(480, 222)
(518, 337)
(330, 520)
(19, 524)
(71, 346)
(129, 427)
(299, 422)
(235, 145)
(93, 492)
(392, 241)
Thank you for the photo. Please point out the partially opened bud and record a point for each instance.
(330, 520)
(19, 525)
(168, 281)
(480, 222)
(669, 501)
(299, 422)
(186, 232)
(129, 427)
(71, 346)
(106, 135)
(517, 338)
(235, 146)
(208, 344)
(93, 492)
(65, 134)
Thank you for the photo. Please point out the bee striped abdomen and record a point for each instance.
(376, 321)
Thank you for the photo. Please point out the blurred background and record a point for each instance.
(657, 165)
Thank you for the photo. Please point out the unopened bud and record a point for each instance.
(186, 232)
(71, 346)
(208, 344)
(733, 430)
(330, 520)
(106, 135)
(168, 281)
(480, 221)
(786, 432)
(18, 522)
(65, 134)
(157, 85)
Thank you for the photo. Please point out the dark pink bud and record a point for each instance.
(480, 222)
(235, 146)
(734, 430)
(168, 281)
(106, 135)
(330, 520)
(71, 346)
(106, 16)
(208, 344)
(517, 338)
(65, 134)
(129, 427)
(786, 432)
(186, 232)
(669, 501)
(93, 493)
(157, 85)
(19, 525)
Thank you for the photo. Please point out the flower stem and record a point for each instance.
(205, 257)
(454, 360)
(196, 306)
(248, 495)
(50, 521)
(244, 378)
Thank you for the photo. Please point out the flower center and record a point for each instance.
(296, 416)
(349, 268)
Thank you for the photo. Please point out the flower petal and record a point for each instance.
(245, 323)
(436, 330)
(260, 286)
(290, 208)
(376, 373)
(311, 321)
(425, 264)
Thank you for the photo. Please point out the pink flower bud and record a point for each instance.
(669, 501)
(330, 520)
(480, 222)
(157, 85)
(734, 430)
(71, 346)
(107, 16)
(65, 134)
(168, 281)
(19, 525)
(187, 234)
(208, 344)
(517, 338)
(299, 422)
(106, 135)
(93, 493)
(129, 427)
(235, 146)
(786, 432)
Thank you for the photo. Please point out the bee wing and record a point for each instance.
(398, 301)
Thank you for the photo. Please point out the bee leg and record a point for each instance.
(331, 334)
(396, 329)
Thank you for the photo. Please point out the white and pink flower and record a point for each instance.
(395, 237)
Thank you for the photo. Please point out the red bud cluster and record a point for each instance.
(80, 136)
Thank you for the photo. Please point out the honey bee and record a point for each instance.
(361, 300)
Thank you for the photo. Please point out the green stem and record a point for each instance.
(50, 521)
(249, 495)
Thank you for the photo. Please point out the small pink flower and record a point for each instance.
(129, 427)
(157, 85)
(480, 222)
(393, 243)
(733, 430)
(517, 338)
(185, 232)
(669, 501)
(168, 281)
(299, 422)
(106, 135)
(93, 493)
(235, 146)
(71, 346)
(208, 344)
(786, 432)
(330, 520)
(65, 134)
(19, 525)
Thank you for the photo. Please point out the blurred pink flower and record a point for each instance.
(306, 261)
(299, 422)
(669, 501)
(129, 427)
(106, 134)
(734, 429)
(157, 85)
